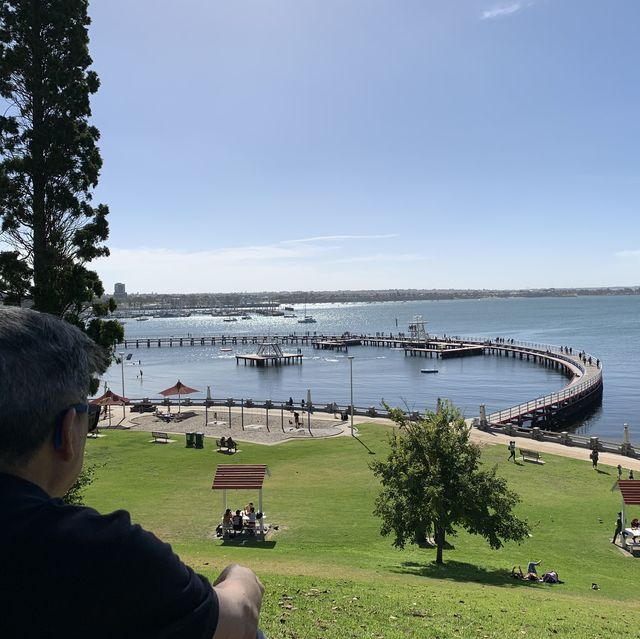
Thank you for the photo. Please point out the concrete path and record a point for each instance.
(323, 425)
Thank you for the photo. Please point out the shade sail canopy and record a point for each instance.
(178, 389)
(249, 476)
(110, 399)
(630, 489)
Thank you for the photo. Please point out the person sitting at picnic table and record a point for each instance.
(237, 522)
(635, 523)
(227, 520)
(248, 508)
(223, 442)
(251, 524)
(230, 444)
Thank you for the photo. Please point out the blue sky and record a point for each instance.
(297, 144)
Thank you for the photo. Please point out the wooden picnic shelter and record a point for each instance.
(630, 491)
(241, 477)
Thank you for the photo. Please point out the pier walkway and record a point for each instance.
(583, 390)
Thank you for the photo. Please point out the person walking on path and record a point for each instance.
(62, 555)
(619, 472)
(594, 458)
(512, 451)
(618, 530)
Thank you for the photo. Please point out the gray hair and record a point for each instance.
(46, 365)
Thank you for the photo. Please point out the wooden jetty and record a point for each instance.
(269, 353)
(336, 344)
(444, 353)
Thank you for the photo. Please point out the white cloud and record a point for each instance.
(634, 255)
(382, 257)
(331, 238)
(501, 10)
(300, 263)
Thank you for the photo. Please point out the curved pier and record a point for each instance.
(583, 390)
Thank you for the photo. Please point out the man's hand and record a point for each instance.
(240, 597)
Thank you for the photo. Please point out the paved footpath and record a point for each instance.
(329, 427)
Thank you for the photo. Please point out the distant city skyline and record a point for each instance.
(296, 145)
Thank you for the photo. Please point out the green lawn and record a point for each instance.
(329, 573)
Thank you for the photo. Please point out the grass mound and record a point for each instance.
(329, 573)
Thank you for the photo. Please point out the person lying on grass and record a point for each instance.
(68, 571)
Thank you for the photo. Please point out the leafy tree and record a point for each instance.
(75, 494)
(49, 162)
(433, 480)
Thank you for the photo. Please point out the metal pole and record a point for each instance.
(123, 395)
(351, 385)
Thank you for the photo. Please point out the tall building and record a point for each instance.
(119, 290)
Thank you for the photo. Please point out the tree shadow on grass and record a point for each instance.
(461, 571)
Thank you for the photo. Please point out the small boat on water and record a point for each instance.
(289, 308)
(428, 370)
(246, 317)
(142, 319)
(229, 319)
(307, 319)
(226, 350)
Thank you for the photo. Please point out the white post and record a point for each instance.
(351, 386)
(260, 510)
(123, 395)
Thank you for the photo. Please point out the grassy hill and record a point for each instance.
(329, 573)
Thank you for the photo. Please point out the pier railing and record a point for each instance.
(573, 391)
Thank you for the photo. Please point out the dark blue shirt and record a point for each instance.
(67, 571)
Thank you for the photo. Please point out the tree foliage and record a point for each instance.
(49, 161)
(433, 481)
(74, 495)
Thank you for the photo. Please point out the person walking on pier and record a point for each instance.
(512, 451)
(594, 458)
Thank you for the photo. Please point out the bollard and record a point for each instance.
(536, 434)
(484, 425)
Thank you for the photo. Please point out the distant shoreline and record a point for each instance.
(276, 298)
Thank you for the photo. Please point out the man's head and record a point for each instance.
(45, 369)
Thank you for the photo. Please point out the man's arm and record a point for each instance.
(239, 594)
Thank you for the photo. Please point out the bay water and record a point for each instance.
(607, 327)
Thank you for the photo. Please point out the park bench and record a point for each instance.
(160, 437)
(531, 455)
(233, 448)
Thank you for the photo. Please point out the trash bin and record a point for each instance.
(199, 440)
(191, 440)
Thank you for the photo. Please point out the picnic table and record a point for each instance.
(634, 533)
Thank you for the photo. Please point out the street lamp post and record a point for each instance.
(351, 385)
(123, 395)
